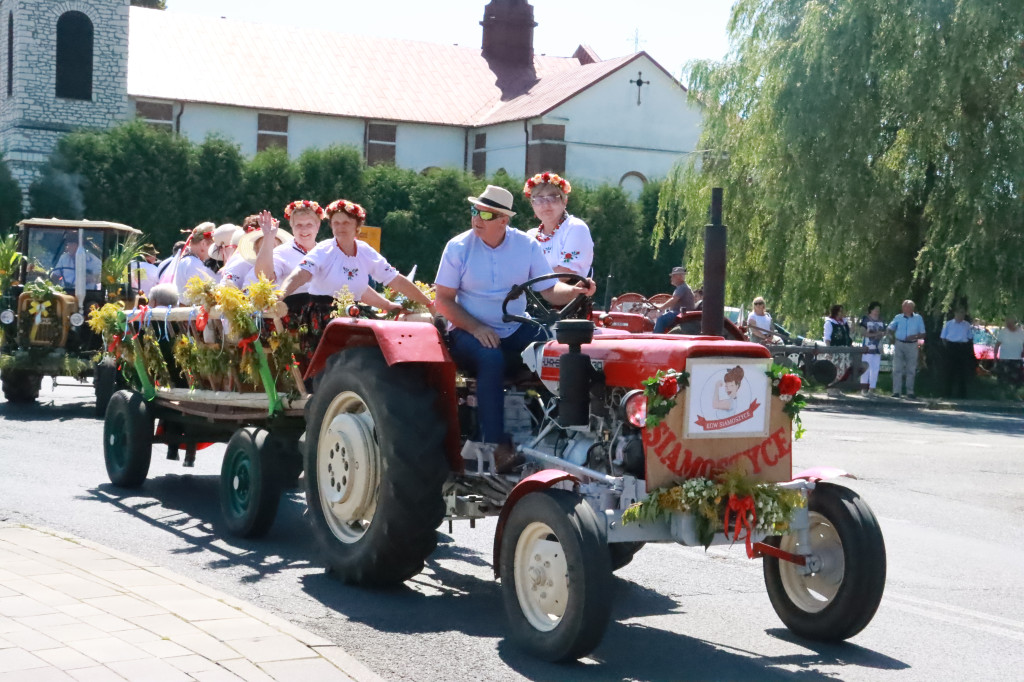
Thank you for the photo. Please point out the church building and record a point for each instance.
(70, 64)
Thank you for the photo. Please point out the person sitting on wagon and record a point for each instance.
(276, 263)
(64, 272)
(564, 239)
(346, 261)
(478, 267)
(224, 245)
(190, 260)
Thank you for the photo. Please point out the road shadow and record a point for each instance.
(45, 411)
(187, 506)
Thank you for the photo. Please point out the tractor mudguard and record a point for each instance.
(541, 480)
(822, 474)
(400, 342)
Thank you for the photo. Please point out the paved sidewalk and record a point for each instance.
(73, 611)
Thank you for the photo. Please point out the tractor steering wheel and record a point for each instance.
(547, 315)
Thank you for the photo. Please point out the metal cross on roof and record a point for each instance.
(639, 82)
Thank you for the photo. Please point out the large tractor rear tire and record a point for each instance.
(375, 465)
(21, 387)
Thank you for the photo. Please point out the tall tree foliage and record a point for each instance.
(869, 150)
(152, 4)
(10, 198)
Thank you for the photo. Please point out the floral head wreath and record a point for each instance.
(304, 203)
(546, 179)
(354, 210)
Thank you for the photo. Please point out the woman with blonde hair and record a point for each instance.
(564, 238)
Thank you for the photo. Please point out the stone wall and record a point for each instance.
(33, 118)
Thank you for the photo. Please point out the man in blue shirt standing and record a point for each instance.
(477, 269)
(907, 328)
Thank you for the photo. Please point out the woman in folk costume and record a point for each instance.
(565, 239)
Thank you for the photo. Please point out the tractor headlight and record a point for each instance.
(7, 316)
(77, 319)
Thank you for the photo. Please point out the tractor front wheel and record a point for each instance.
(375, 465)
(839, 597)
(556, 576)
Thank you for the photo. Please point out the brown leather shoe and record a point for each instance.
(506, 459)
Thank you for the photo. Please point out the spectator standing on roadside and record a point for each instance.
(873, 327)
(958, 337)
(681, 301)
(759, 323)
(907, 328)
(837, 333)
(1009, 349)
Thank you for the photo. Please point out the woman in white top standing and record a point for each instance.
(565, 239)
(759, 323)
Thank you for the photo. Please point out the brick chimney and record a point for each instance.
(508, 32)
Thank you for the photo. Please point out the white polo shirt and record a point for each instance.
(236, 271)
(482, 276)
(332, 269)
(190, 266)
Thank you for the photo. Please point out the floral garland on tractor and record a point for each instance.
(730, 501)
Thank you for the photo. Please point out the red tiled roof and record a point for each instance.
(193, 58)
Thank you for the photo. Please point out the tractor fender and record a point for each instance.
(816, 474)
(542, 480)
(401, 342)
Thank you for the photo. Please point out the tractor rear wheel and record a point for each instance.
(375, 465)
(20, 386)
(840, 597)
(556, 576)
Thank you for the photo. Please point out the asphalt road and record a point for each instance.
(947, 487)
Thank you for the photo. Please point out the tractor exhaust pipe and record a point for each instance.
(714, 270)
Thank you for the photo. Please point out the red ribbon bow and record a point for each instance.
(114, 340)
(246, 343)
(202, 318)
(741, 506)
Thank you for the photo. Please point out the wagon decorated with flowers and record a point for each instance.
(625, 439)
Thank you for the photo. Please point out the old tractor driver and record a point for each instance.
(478, 267)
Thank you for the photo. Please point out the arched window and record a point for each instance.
(74, 56)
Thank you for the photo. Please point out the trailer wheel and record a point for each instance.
(375, 464)
(840, 598)
(127, 439)
(104, 383)
(21, 387)
(556, 576)
(622, 553)
(249, 489)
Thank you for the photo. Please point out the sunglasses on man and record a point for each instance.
(484, 215)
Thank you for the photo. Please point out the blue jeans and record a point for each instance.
(489, 366)
(665, 322)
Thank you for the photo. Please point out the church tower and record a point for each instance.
(63, 66)
(508, 32)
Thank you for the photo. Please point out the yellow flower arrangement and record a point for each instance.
(201, 291)
(264, 294)
(343, 300)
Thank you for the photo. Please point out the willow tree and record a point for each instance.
(869, 149)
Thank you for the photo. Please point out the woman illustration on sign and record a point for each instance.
(730, 385)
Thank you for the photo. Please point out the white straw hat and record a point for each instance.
(249, 245)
